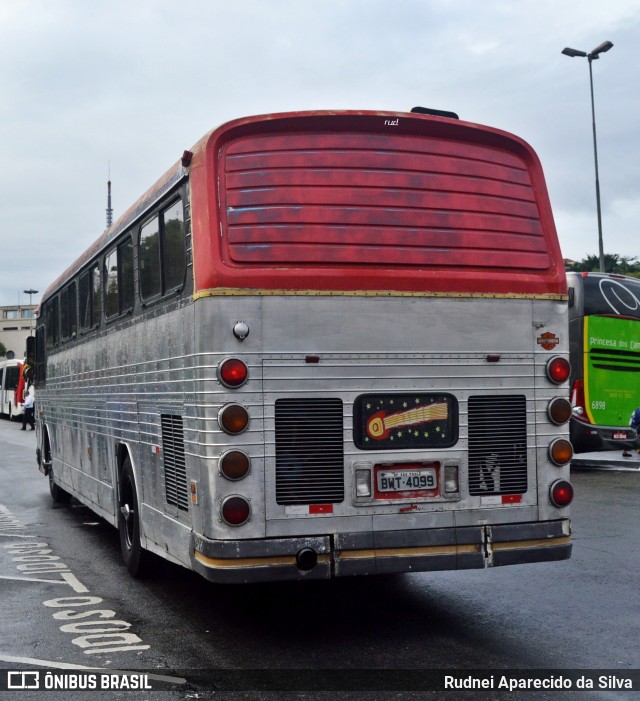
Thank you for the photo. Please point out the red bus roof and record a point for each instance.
(372, 201)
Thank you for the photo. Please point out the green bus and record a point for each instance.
(604, 339)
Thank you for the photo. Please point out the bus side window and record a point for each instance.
(96, 300)
(64, 313)
(572, 297)
(173, 247)
(118, 284)
(84, 298)
(90, 298)
(73, 311)
(51, 314)
(125, 264)
(111, 306)
(149, 252)
(68, 313)
(162, 253)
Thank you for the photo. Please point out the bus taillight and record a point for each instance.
(577, 401)
(560, 452)
(559, 411)
(558, 370)
(561, 493)
(234, 465)
(235, 510)
(232, 373)
(233, 418)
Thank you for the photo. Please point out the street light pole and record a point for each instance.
(30, 292)
(605, 46)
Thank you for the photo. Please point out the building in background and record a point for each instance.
(17, 323)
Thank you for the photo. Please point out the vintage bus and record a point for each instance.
(322, 344)
(604, 337)
(10, 402)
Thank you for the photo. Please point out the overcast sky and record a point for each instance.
(134, 83)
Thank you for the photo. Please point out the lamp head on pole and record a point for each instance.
(602, 48)
(605, 46)
(573, 52)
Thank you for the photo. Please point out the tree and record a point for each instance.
(3, 350)
(613, 263)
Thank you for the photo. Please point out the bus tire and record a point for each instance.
(135, 557)
(58, 494)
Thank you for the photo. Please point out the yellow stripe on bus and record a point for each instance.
(259, 292)
(408, 552)
(528, 544)
(274, 561)
(585, 370)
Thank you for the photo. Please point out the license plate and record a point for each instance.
(620, 436)
(405, 480)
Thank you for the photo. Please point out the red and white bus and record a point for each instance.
(322, 344)
(11, 386)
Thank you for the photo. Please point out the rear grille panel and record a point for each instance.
(309, 451)
(497, 427)
(175, 471)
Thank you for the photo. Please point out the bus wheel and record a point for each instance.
(58, 494)
(135, 557)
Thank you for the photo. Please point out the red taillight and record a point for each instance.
(558, 370)
(235, 510)
(232, 373)
(561, 493)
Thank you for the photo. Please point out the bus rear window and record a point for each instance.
(383, 200)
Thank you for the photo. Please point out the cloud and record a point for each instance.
(134, 84)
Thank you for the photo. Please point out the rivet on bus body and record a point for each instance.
(241, 330)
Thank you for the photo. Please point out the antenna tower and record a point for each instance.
(109, 210)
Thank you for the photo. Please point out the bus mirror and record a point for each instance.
(31, 348)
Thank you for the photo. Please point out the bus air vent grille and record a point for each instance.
(175, 471)
(616, 360)
(497, 428)
(309, 451)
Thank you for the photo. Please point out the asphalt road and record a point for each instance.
(66, 599)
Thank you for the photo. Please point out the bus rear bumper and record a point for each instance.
(348, 554)
(587, 438)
